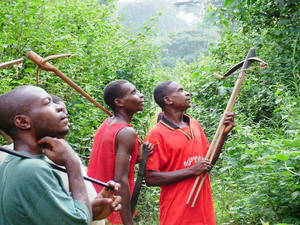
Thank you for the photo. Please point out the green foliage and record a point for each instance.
(266, 180)
(102, 51)
(257, 179)
(148, 206)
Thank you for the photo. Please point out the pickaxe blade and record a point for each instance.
(239, 65)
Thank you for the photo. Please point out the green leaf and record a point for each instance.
(195, 74)
(295, 194)
(282, 157)
(228, 3)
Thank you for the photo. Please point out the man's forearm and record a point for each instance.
(155, 178)
(76, 183)
(218, 150)
(125, 212)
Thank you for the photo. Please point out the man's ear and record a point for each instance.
(118, 102)
(22, 122)
(168, 100)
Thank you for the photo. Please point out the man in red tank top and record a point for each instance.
(115, 148)
(180, 146)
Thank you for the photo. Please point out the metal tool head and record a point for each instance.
(245, 64)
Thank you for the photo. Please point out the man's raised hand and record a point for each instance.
(58, 150)
(228, 122)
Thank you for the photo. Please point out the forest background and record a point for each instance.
(257, 179)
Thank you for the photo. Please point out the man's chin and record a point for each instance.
(187, 107)
(61, 134)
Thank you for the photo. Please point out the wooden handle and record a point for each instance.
(217, 137)
(47, 66)
(39, 61)
(48, 58)
(198, 190)
(82, 92)
(6, 64)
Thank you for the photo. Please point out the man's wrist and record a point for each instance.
(72, 162)
(191, 172)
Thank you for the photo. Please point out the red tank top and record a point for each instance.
(102, 159)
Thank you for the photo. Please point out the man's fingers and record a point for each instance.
(149, 145)
(48, 152)
(45, 140)
(116, 203)
(150, 148)
(204, 160)
(101, 202)
(114, 184)
(118, 208)
(48, 142)
(231, 114)
(229, 122)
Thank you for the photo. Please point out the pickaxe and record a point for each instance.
(51, 68)
(45, 65)
(216, 139)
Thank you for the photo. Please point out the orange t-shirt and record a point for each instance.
(177, 149)
(103, 156)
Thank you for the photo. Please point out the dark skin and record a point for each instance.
(31, 131)
(176, 102)
(105, 202)
(37, 130)
(126, 106)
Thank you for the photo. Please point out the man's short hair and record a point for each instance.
(56, 99)
(112, 91)
(161, 91)
(10, 107)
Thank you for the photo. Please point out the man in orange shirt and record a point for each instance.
(180, 146)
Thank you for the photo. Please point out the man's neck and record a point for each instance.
(121, 117)
(27, 144)
(175, 117)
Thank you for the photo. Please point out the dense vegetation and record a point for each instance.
(257, 179)
(102, 51)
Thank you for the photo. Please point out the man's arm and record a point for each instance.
(61, 153)
(229, 124)
(124, 145)
(156, 178)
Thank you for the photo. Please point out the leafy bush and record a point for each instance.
(257, 178)
(256, 181)
(102, 51)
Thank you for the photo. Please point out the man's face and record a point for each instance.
(47, 118)
(133, 100)
(178, 97)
